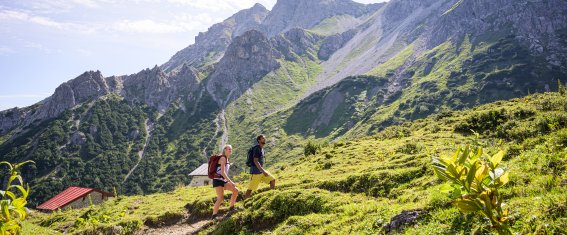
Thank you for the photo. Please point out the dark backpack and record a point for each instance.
(250, 159)
(213, 163)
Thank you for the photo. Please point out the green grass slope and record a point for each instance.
(358, 186)
(457, 74)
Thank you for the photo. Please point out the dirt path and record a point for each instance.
(149, 128)
(177, 229)
(186, 225)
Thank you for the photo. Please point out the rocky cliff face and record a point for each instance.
(539, 24)
(248, 59)
(535, 22)
(210, 46)
(334, 42)
(152, 87)
(289, 14)
(87, 86)
(10, 118)
(295, 42)
(253, 55)
(156, 88)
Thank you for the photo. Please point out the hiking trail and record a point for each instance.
(176, 229)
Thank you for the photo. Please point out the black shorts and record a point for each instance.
(218, 183)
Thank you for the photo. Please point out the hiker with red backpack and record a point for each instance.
(218, 171)
(255, 161)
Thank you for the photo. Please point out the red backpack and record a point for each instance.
(213, 162)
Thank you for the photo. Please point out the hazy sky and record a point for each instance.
(44, 43)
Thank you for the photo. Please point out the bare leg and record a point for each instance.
(220, 197)
(234, 190)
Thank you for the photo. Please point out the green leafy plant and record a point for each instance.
(474, 183)
(13, 202)
(93, 217)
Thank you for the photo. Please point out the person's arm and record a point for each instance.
(222, 162)
(257, 163)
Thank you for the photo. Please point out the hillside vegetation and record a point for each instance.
(351, 75)
(362, 185)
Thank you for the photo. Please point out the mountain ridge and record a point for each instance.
(384, 69)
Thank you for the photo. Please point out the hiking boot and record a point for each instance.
(231, 208)
(214, 217)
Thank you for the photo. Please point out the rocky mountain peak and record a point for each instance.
(538, 24)
(288, 14)
(210, 46)
(87, 86)
(258, 6)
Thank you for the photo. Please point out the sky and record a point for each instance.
(44, 43)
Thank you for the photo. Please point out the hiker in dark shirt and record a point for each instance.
(257, 171)
(223, 182)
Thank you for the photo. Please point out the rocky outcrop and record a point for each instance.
(78, 138)
(157, 89)
(88, 86)
(210, 46)
(288, 14)
(10, 118)
(334, 42)
(399, 10)
(403, 219)
(248, 59)
(536, 23)
(294, 43)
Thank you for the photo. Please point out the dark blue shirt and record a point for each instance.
(258, 153)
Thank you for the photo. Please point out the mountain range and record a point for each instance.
(321, 70)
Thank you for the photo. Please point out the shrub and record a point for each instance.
(486, 121)
(373, 184)
(394, 132)
(311, 148)
(200, 208)
(474, 184)
(409, 148)
(13, 202)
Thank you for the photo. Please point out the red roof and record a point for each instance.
(67, 196)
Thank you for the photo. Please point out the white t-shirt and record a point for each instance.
(227, 167)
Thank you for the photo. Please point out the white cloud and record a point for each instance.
(221, 5)
(84, 52)
(36, 46)
(4, 50)
(59, 6)
(87, 3)
(209, 5)
(180, 23)
(40, 20)
(149, 26)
